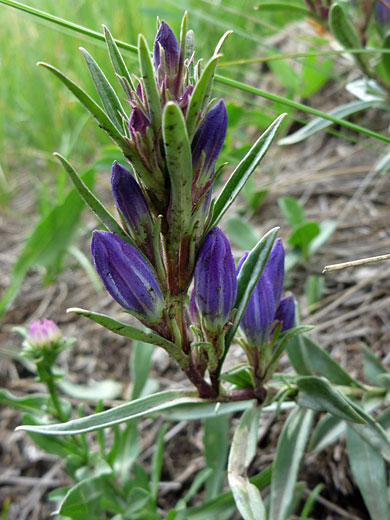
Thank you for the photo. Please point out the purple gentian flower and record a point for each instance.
(131, 202)
(166, 40)
(127, 276)
(43, 333)
(265, 305)
(215, 281)
(208, 140)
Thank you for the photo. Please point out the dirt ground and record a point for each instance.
(334, 179)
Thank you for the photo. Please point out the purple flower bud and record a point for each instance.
(127, 276)
(138, 122)
(209, 138)
(130, 201)
(382, 14)
(264, 302)
(168, 42)
(215, 281)
(286, 313)
(43, 334)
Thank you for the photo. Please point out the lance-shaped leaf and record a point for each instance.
(107, 94)
(179, 163)
(95, 110)
(92, 201)
(289, 452)
(150, 86)
(126, 412)
(318, 394)
(244, 170)
(127, 276)
(247, 280)
(246, 495)
(123, 329)
(200, 95)
(116, 57)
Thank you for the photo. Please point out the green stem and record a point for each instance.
(55, 399)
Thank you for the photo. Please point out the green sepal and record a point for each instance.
(93, 202)
(179, 163)
(93, 108)
(150, 86)
(318, 394)
(123, 329)
(116, 58)
(244, 170)
(200, 96)
(107, 94)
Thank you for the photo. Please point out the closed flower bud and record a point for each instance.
(43, 334)
(138, 122)
(131, 202)
(209, 138)
(286, 313)
(166, 40)
(215, 281)
(127, 276)
(266, 298)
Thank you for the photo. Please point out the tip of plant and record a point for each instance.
(75, 310)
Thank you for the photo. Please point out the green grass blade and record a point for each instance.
(151, 90)
(244, 170)
(93, 202)
(117, 61)
(107, 94)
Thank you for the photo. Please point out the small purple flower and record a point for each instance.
(209, 138)
(131, 202)
(286, 313)
(127, 276)
(166, 40)
(215, 281)
(43, 333)
(138, 122)
(265, 305)
(382, 13)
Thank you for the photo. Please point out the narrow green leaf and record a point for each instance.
(318, 394)
(107, 94)
(386, 56)
(289, 7)
(326, 432)
(314, 289)
(122, 413)
(141, 355)
(302, 235)
(310, 501)
(369, 471)
(95, 110)
(373, 368)
(179, 163)
(126, 451)
(151, 90)
(116, 58)
(327, 228)
(241, 232)
(244, 170)
(118, 327)
(289, 452)
(216, 447)
(246, 495)
(107, 389)
(93, 202)
(320, 123)
(34, 404)
(247, 279)
(285, 339)
(82, 501)
(297, 351)
(200, 95)
(157, 461)
(292, 211)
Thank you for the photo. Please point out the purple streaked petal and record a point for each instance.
(127, 276)
(286, 313)
(168, 41)
(138, 122)
(215, 281)
(209, 137)
(130, 201)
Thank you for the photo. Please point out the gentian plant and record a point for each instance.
(168, 264)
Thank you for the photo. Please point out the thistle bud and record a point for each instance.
(286, 313)
(127, 276)
(208, 140)
(43, 334)
(131, 202)
(215, 281)
(266, 298)
(166, 40)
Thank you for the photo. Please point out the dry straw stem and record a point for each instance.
(354, 263)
